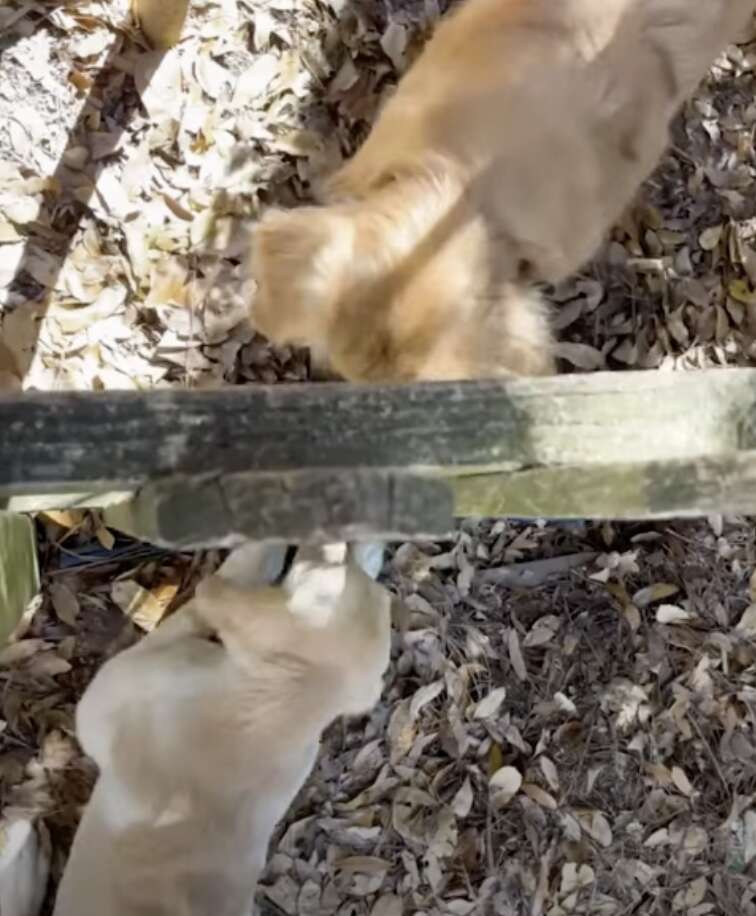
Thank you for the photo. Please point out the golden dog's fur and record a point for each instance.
(518, 137)
(206, 729)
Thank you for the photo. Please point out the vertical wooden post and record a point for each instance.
(19, 573)
(161, 20)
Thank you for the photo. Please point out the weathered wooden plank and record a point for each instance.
(94, 499)
(646, 490)
(83, 442)
(316, 506)
(342, 462)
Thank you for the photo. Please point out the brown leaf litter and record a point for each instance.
(568, 723)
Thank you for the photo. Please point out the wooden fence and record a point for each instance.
(193, 468)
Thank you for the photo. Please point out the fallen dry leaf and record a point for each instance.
(65, 603)
(504, 784)
(515, 655)
(710, 237)
(490, 705)
(596, 825)
(550, 772)
(581, 355)
(652, 593)
(17, 652)
(691, 895)
(47, 664)
(462, 801)
(671, 613)
(540, 796)
(423, 697)
(575, 877)
(105, 537)
(145, 608)
(681, 781)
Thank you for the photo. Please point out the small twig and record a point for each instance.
(712, 756)
(539, 898)
(578, 770)
(635, 906)
(683, 155)
(534, 573)
(489, 842)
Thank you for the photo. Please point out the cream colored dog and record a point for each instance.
(507, 151)
(206, 729)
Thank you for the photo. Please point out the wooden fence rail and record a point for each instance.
(197, 467)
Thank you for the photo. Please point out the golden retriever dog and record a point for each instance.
(206, 729)
(518, 137)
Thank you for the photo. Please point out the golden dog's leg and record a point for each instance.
(161, 20)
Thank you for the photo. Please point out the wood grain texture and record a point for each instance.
(644, 444)
(291, 506)
(19, 572)
(62, 442)
(677, 488)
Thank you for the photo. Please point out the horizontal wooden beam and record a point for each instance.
(292, 506)
(643, 444)
(80, 442)
(677, 488)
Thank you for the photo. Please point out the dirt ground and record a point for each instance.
(568, 721)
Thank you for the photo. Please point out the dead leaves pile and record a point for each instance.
(674, 286)
(567, 728)
(583, 745)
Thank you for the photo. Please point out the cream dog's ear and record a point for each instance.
(298, 259)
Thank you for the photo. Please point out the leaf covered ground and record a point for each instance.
(568, 722)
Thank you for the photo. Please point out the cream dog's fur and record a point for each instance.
(206, 729)
(510, 147)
